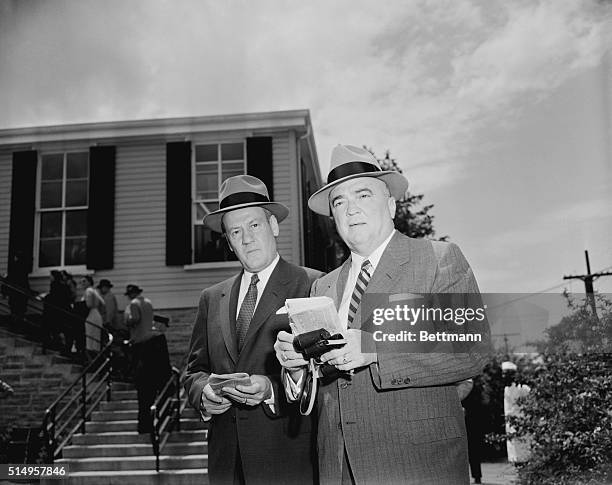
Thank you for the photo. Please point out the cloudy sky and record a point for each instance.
(500, 112)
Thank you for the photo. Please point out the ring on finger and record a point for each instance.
(284, 356)
(245, 401)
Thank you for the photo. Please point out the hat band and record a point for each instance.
(351, 168)
(242, 198)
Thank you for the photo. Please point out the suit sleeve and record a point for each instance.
(198, 363)
(397, 370)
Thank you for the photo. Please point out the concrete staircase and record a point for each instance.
(37, 379)
(112, 452)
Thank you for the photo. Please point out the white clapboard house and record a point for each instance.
(125, 200)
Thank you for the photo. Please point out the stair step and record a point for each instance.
(118, 405)
(124, 395)
(115, 415)
(135, 463)
(126, 437)
(132, 425)
(131, 449)
(195, 476)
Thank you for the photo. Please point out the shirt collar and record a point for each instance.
(373, 258)
(264, 274)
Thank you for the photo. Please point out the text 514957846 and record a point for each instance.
(26, 472)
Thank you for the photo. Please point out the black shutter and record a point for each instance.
(23, 209)
(101, 211)
(259, 161)
(178, 203)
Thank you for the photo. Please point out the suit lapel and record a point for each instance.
(341, 282)
(271, 300)
(229, 300)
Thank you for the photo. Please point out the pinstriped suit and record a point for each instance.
(400, 420)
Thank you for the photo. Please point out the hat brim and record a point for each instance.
(396, 182)
(214, 219)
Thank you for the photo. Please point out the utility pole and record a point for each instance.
(588, 282)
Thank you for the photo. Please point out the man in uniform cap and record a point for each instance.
(390, 417)
(255, 436)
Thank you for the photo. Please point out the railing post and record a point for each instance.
(83, 401)
(178, 401)
(155, 435)
(49, 433)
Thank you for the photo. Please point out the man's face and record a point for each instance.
(363, 211)
(251, 235)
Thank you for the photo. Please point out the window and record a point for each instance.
(62, 209)
(213, 164)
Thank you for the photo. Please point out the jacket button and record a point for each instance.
(233, 419)
(344, 385)
(340, 425)
(407, 380)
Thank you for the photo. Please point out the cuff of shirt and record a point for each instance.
(203, 414)
(270, 401)
(292, 388)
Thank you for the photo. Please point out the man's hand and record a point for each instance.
(214, 404)
(350, 356)
(287, 356)
(253, 395)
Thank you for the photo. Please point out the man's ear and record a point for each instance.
(392, 206)
(229, 244)
(274, 225)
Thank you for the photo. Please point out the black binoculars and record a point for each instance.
(314, 344)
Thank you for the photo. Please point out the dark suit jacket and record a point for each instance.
(273, 447)
(400, 419)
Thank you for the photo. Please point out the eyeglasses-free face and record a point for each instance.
(252, 236)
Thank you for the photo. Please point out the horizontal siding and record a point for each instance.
(140, 238)
(6, 162)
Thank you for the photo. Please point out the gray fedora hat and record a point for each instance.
(239, 192)
(349, 162)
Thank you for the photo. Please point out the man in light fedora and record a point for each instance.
(255, 435)
(397, 417)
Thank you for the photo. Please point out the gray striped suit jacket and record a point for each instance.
(400, 420)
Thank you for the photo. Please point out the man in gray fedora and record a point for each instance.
(255, 435)
(390, 417)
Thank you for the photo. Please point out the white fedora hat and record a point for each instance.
(239, 192)
(349, 162)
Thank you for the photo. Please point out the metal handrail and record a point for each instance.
(168, 401)
(84, 401)
(56, 422)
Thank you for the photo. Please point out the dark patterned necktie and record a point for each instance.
(360, 286)
(246, 311)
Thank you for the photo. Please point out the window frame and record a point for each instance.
(37, 270)
(195, 201)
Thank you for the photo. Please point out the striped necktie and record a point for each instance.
(246, 311)
(360, 286)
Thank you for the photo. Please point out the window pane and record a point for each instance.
(206, 153)
(75, 252)
(77, 165)
(207, 185)
(76, 223)
(232, 168)
(211, 246)
(49, 254)
(50, 194)
(51, 224)
(52, 167)
(203, 209)
(76, 192)
(232, 151)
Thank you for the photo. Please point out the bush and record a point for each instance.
(568, 413)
